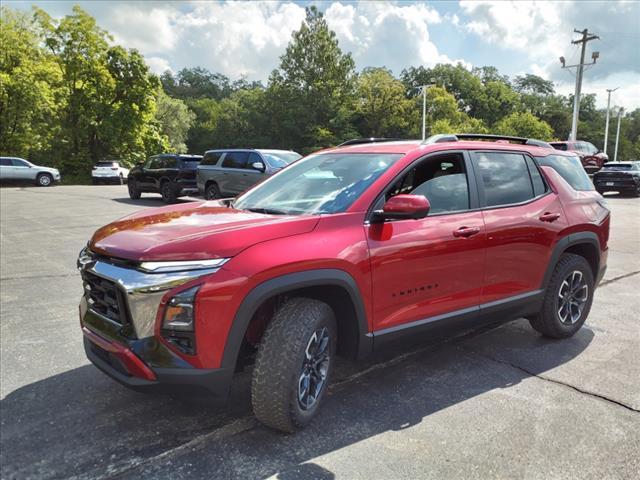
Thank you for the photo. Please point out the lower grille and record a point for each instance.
(104, 298)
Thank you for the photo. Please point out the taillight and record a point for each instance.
(94, 168)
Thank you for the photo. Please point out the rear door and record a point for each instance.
(522, 219)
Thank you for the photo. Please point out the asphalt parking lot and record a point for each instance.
(503, 403)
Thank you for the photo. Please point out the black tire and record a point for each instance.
(134, 192)
(281, 364)
(211, 191)
(168, 192)
(44, 180)
(559, 293)
(94, 181)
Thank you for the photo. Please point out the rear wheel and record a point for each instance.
(212, 192)
(568, 298)
(44, 180)
(134, 192)
(293, 365)
(168, 192)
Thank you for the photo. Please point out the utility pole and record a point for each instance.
(606, 127)
(424, 107)
(615, 155)
(586, 37)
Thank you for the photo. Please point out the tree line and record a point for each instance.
(70, 97)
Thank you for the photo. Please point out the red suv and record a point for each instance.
(592, 159)
(340, 254)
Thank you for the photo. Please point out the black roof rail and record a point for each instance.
(359, 141)
(450, 137)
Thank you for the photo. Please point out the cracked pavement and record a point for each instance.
(499, 403)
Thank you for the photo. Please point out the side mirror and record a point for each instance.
(404, 207)
(258, 166)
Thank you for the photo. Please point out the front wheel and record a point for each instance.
(567, 299)
(293, 365)
(211, 192)
(44, 180)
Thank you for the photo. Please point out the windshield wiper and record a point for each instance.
(267, 211)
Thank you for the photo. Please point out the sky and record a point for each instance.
(247, 38)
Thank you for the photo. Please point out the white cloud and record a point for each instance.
(158, 65)
(627, 95)
(387, 34)
(148, 30)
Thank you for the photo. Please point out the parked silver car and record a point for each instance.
(229, 172)
(18, 169)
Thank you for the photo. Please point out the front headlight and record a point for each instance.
(178, 321)
(178, 314)
(180, 266)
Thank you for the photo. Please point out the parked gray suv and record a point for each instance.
(20, 170)
(227, 173)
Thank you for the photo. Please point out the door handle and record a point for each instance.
(549, 217)
(466, 231)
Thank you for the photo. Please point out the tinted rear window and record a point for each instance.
(189, 163)
(617, 166)
(570, 169)
(107, 164)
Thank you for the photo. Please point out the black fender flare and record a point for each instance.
(566, 242)
(283, 284)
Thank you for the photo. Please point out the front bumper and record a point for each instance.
(125, 346)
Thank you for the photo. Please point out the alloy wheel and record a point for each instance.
(315, 367)
(45, 180)
(572, 297)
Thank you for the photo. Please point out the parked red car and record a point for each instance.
(592, 159)
(340, 254)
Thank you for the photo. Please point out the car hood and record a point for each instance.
(193, 231)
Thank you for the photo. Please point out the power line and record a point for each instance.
(586, 37)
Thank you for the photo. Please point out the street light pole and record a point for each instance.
(606, 127)
(615, 155)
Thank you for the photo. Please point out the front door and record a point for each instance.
(426, 269)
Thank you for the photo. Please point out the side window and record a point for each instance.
(253, 158)
(570, 168)
(539, 185)
(19, 163)
(211, 158)
(148, 164)
(235, 160)
(5, 162)
(592, 149)
(505, 178)
(442, 180)
(169, 162)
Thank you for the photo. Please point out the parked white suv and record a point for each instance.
(109, 172)
(19, 170)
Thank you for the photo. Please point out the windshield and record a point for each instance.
(322, 183)
(280, 159)
(618, 166)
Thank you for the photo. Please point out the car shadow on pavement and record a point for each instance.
(81, 423)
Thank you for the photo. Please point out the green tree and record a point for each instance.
(524, 124)
(175, 120)
(311, 94)
(107, 95)
(29, 79)
(382, 107)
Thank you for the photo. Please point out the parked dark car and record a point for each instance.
(623, 177)
(231, 172)
(170, 175)
(591, 158)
